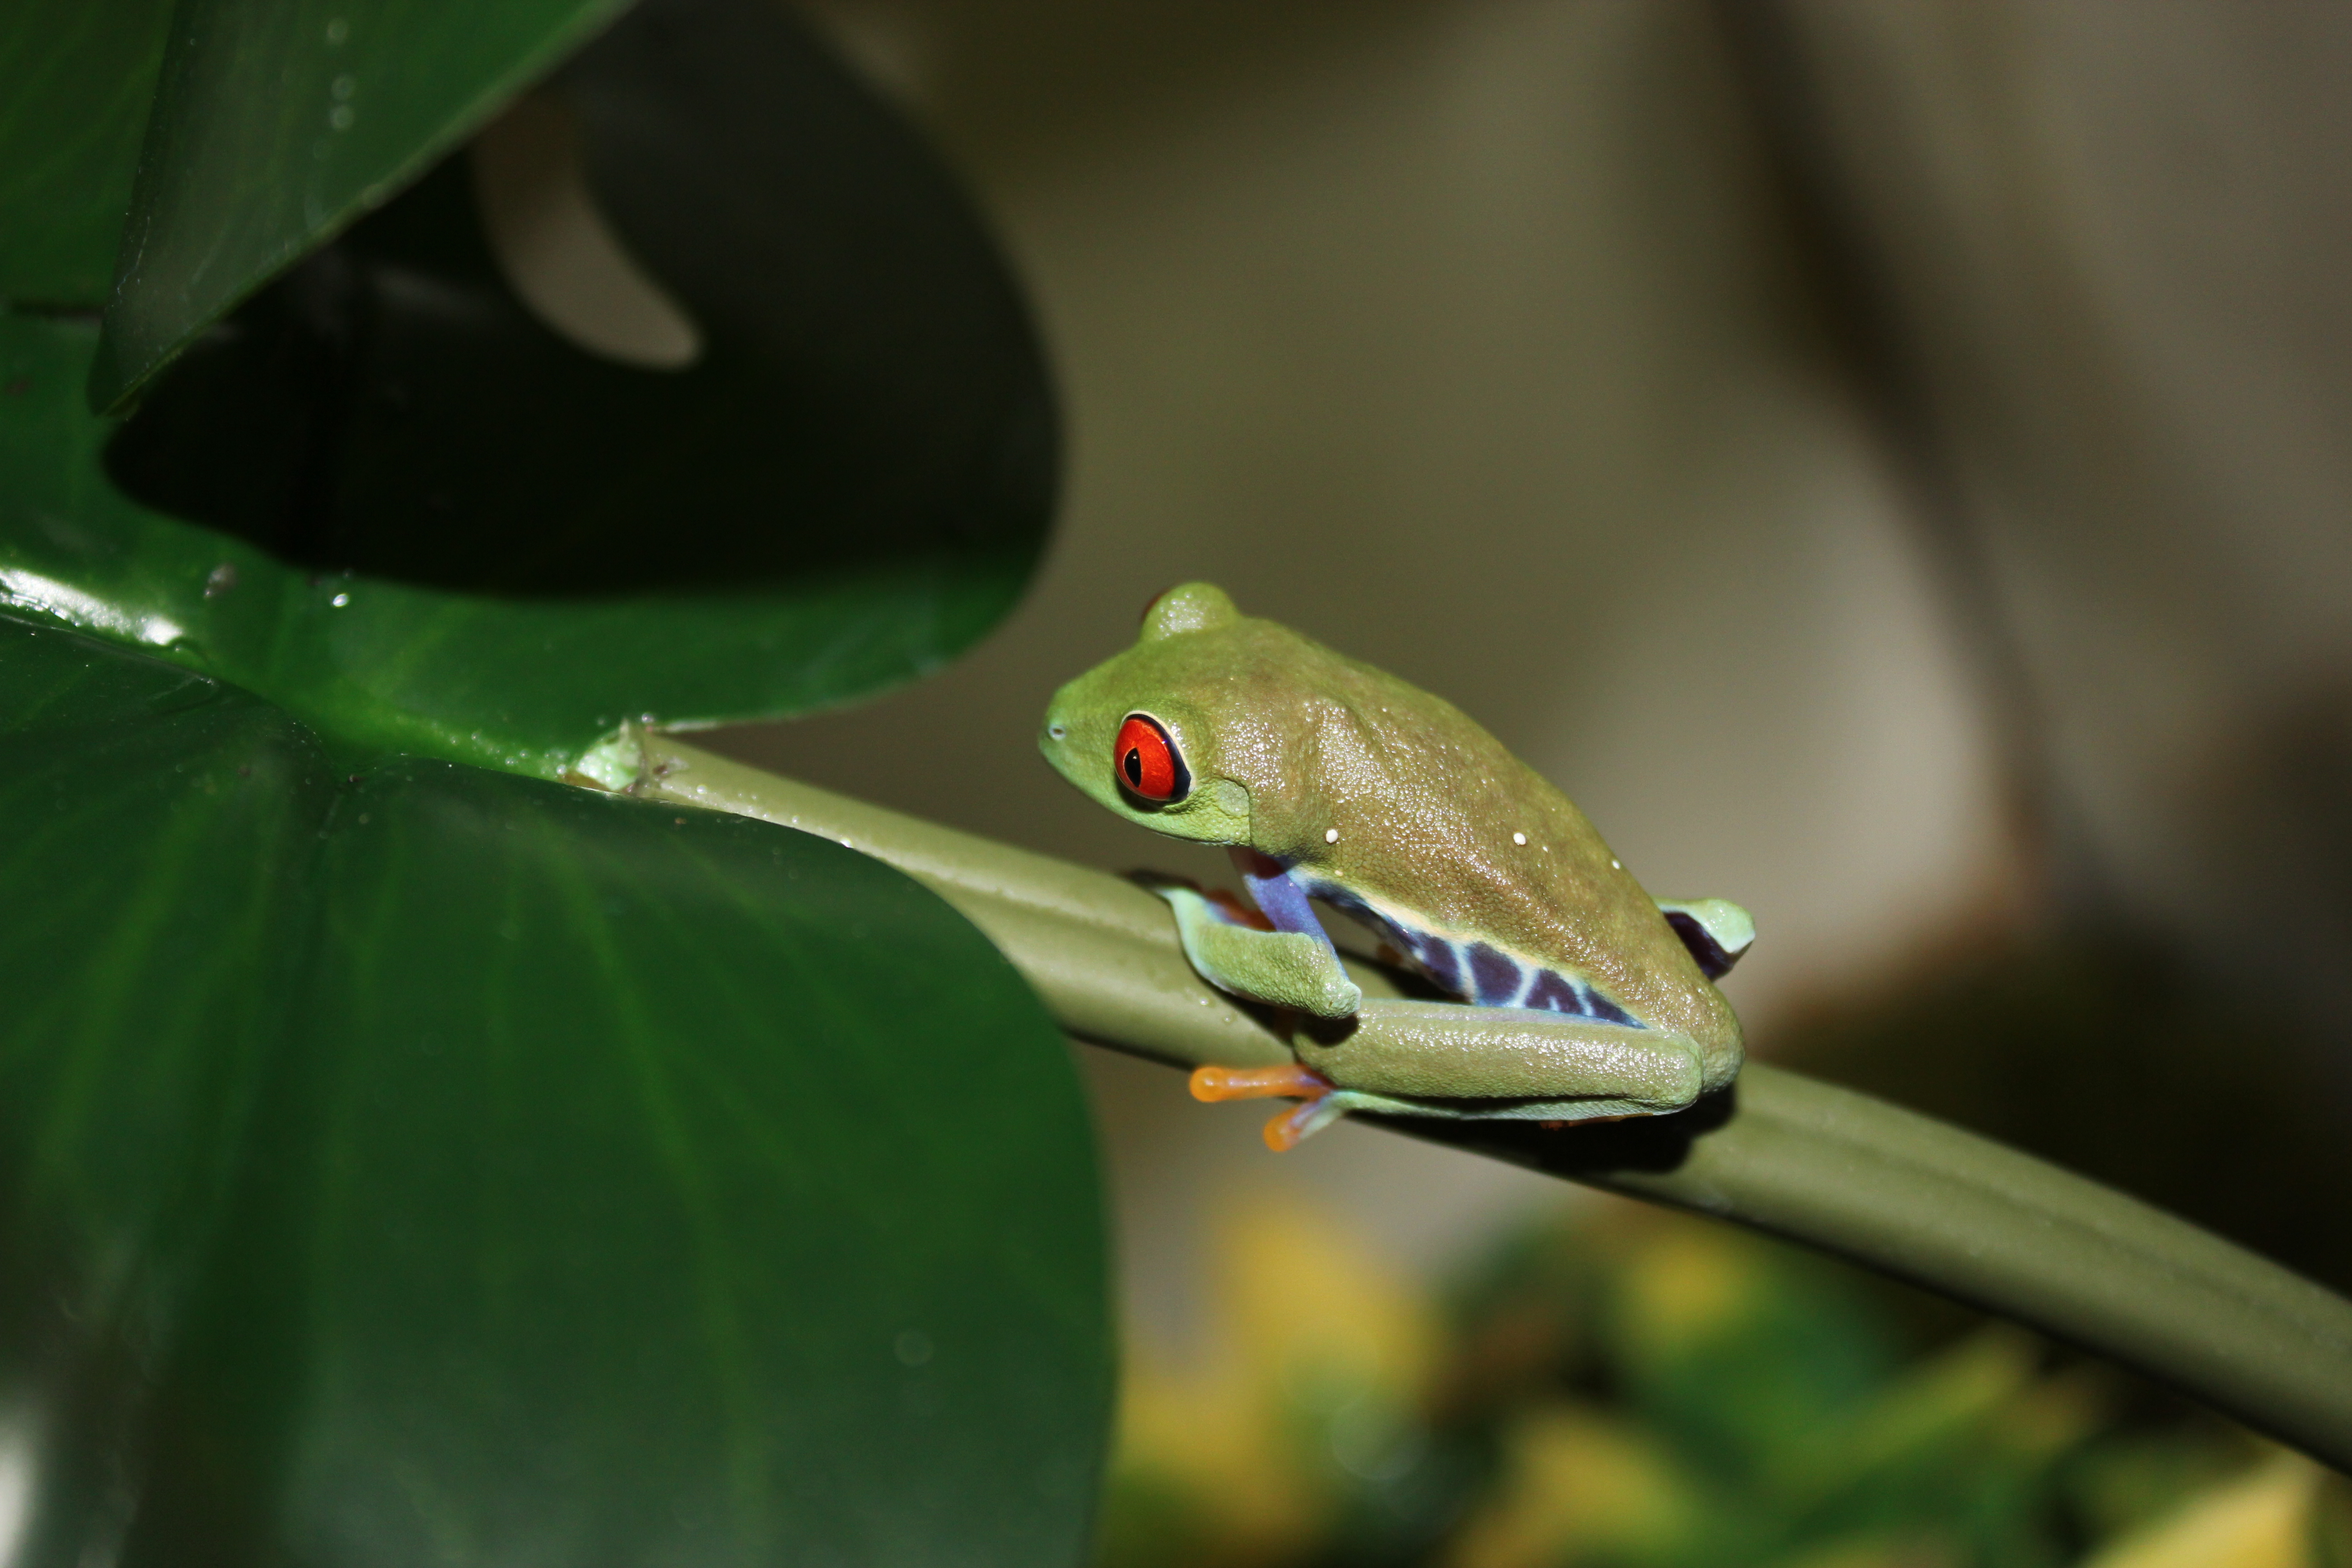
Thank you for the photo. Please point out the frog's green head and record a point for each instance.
(1153, 733)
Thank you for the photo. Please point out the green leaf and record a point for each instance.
(279, 121)
(76, 78)
(437, 526)
(431, 1163)
(149, 951)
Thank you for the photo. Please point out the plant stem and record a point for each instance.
(1904, 1194)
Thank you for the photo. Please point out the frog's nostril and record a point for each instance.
(1056, 730)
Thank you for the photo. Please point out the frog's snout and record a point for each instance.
(1053, 741)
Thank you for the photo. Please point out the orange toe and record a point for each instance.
(1285, 1131)
(1212, 1084)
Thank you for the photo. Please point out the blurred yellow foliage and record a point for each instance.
(2261, 1520)
(1680, 1282)
(1575, 1479)
(1303, 1301)
(1989, 1383)
(1874, 1554)
(1312, 1344)
(1632, 1387)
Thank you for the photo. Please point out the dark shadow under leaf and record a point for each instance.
(871, 388)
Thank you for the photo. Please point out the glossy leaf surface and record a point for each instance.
(388, 498)
(278, 119)
(76, 79)
(154, 822)
(431, 1163)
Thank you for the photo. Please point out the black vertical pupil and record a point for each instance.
(1133, 765)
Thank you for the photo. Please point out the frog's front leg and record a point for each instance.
(1282, 968)
(1439, 1059)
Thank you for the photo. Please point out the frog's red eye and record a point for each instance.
(1146, 761)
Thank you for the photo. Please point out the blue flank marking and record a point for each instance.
(1283, 901)
(1598, 1006)
(1553, 992)
(1438, 958)
(1495, 978)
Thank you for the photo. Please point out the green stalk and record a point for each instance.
(1904, 1194)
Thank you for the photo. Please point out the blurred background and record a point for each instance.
(1888, 463)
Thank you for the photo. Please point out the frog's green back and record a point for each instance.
(1371, 787)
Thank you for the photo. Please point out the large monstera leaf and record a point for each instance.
(422, 1163)
(384, 494)
(404, 1155)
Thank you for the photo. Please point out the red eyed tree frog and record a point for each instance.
(1332, 781)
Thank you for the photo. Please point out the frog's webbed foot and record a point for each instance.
(1322, 1102)
(1280, 968)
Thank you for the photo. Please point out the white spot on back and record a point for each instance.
(1519, 838)
(1330, 835)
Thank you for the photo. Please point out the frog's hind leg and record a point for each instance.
(1438, 1058)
